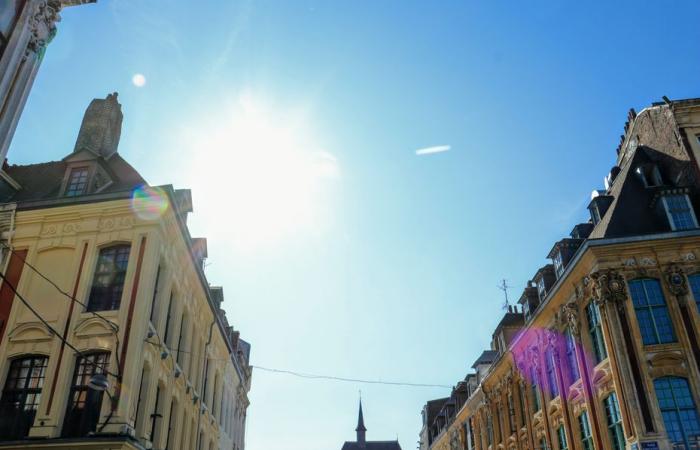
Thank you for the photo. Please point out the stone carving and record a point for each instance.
(570, 314)
(42, 25)
(647, 261)
(629, 262)
(675, 280)
(454, 440)
(609, 287)
(690, 256)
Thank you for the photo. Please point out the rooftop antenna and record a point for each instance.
(504, 287)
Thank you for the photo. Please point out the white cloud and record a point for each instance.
(432, 150)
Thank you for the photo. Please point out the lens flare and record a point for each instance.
(149, 203)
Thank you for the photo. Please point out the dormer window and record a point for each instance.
(77, 182)
(558, 264)
(650, 175)
(679, 212)
(541, 291)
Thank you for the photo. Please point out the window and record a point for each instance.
(558, 264)
(108, 282)
(595, 329)
(77, 182)
(585, 428)
(541, 291)
(180, 350)
(167, 332)
(489, 430)
(614, 418)
(155, 416)
(171, 424)
(499, 423)
(561, 437)
(551, 373)
(522, 407)
(84, 403)
(140, 419)
(535, 393)
(694, 281)
(154, 303)
(651, 310)
(678, 410)
(571, 360)
(679, 212)
(511, 413)
(21, 396)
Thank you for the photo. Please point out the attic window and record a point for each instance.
(558, 264)
(650, 175)
(679, 212)
(77, 182)
(541, 291)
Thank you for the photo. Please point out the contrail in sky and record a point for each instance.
(432, 150)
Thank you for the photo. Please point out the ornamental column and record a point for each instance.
(34, 27)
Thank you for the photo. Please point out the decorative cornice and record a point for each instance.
(42, 25)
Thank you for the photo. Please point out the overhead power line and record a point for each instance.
(53, 330)
(348, 380)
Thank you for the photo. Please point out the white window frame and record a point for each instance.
(668, 212)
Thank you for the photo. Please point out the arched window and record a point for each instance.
(652, 312)
(678, 410)
(83, 411)
(694, 281)
(21, 396)
(108, 282)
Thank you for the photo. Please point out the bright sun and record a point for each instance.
(258, 176)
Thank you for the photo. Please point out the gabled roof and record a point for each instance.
(372, 445)
(43, 181)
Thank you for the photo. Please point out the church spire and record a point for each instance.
(360, 426)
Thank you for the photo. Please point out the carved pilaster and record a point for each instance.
(570, 318)
(42, 25)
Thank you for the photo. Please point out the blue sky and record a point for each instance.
(386, 265)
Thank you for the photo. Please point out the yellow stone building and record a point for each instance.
(110, 335)
(604, 352)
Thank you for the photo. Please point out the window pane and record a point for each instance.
(678, 410)
(651, 310)
(83, 409)
(21, 396)
(694, 281)
(108, 281)
(77, 182)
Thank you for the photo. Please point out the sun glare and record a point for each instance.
(258, 175)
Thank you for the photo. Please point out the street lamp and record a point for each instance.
(99, 382)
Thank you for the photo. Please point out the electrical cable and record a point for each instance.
(53, 330)
(114, 326)
(348, 380)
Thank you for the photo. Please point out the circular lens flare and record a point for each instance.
(149, 203)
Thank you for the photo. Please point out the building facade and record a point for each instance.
(604, 350)
(26, 28)
(110, 334)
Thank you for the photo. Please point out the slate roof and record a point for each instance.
(372, 445)
(487, 357)
(629, 213)
(43, 181)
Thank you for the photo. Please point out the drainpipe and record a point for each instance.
(204, 377)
